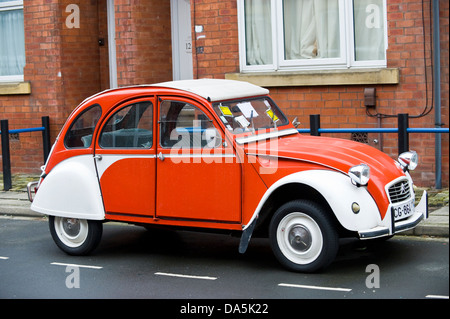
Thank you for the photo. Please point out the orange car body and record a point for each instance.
(226, 176)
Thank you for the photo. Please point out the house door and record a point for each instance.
(181, 39)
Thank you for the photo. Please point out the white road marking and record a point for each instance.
(436, 297)
(4, 258)
(76, 265)
(184, 276)
(314, 287)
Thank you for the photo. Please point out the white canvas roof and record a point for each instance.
(216, 89)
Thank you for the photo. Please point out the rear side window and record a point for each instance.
(82, 129)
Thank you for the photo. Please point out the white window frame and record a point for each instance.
(111, 21)
(371, 63)
(7, 6)
(346, 61)
(242, 40)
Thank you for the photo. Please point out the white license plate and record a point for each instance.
(404, 210)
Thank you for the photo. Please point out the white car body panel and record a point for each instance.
(339, 192)
(71, 189)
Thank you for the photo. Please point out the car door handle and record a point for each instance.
(98, 157)
(161, 156)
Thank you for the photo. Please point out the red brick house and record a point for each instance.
(315, 57)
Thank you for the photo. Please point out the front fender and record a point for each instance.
(337, 189)
(71, 189)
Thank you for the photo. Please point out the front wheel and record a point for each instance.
(75, 236)
(303, 237)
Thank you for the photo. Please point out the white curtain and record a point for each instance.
(369, 30)
(258, 32)
(311, 29)
(12, 42)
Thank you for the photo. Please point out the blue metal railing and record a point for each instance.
(26, 130)
(376, 130)
(403, 132)
(6, 155)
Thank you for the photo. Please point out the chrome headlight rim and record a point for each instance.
(408, 160)
(359, 174)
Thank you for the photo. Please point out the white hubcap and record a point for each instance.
(299, 238)
(71, 231)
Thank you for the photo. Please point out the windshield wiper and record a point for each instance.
(251, 122)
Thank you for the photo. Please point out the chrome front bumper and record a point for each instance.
(420, 213)
(31, 188)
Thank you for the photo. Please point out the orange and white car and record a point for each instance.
(218, 155)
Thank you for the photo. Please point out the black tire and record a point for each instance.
(303, 237)
(74, 236)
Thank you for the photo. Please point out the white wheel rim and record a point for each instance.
(299, 238)
(71, 231)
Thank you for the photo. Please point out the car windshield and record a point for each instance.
(250, 115)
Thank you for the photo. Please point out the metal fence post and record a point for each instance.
(314, 124)
(46, 137)
(403, 137)
(6, 156)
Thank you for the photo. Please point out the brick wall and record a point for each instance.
(66, 65)
(343, 106)
(219, 39)
(43, 62)
(62, 66)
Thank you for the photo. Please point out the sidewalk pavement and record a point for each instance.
(16, 204)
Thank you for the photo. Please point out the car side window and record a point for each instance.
(129, 127)
(80, 132)
(184, 125)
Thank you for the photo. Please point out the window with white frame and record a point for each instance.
(12, 41)
(312, 34)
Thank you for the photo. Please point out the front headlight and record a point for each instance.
(408, 160)
(360, 174)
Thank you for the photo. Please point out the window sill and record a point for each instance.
(15, 88)
(318, 78)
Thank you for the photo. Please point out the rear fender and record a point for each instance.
(71, 189)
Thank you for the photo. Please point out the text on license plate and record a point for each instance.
(404, 210)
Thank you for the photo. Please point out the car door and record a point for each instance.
(125, 161)
(198, 175)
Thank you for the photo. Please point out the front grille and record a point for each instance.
(399, 192)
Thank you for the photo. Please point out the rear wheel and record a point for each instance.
(303, 237)
(75, 236)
